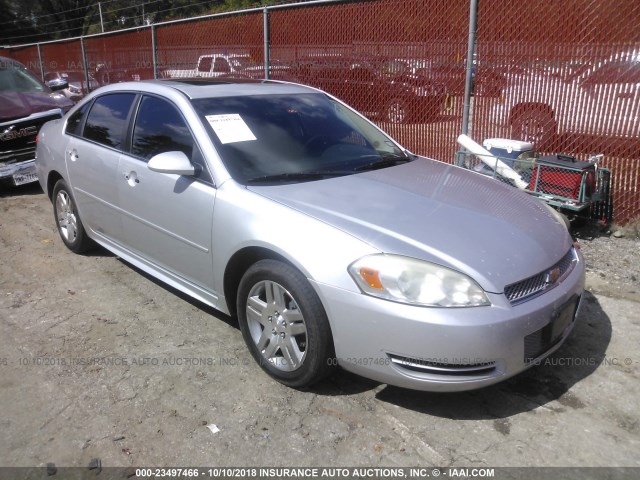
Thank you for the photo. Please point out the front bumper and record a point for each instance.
(19, 173)
(449, 349)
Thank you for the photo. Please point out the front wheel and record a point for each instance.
(67, 219)
(284, 324)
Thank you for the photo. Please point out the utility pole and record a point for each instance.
(471, 48)
(101, 23)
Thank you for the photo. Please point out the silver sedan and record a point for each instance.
(331, 243)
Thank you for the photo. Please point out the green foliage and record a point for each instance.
(26, 22)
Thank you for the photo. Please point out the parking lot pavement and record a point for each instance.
(99, 361)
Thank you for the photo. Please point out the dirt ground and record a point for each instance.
(99, 361)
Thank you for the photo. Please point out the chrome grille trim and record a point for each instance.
(425, 366)
(535, 285)
(17, 156)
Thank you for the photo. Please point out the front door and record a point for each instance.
(167, 218)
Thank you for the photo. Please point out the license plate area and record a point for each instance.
(26, 177)
(540, 341)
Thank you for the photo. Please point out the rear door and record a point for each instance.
(167, 218)
(92, 156)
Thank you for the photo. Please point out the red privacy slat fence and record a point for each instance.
(562, 75)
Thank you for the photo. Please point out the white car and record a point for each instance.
(214, 65)
(602, 100)
(332, 244)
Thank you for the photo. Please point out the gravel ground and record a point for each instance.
(613, 263)
(150, 407)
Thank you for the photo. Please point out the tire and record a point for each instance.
(284, 324)
(68, 220)
(397, 111)
(536, 126)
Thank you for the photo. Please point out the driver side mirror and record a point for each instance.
(171, 162)
(57, 84)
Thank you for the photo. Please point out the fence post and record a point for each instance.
(473, 25)
(154, 52)
(85, 66)
(42, 72)
(266, 44)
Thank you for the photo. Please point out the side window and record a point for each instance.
(74, 124)
(160, 128)
(107, 120)
(205, 64)
(221, 66)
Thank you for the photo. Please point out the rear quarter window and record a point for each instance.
(108, 119)
(74, 124)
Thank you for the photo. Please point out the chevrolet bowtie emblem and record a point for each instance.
(552, 276)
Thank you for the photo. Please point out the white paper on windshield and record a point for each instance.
(230, 128)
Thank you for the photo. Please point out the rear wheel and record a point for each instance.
(397, 111)
(68, 221)
(284, 324)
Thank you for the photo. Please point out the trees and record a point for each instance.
(29, 22)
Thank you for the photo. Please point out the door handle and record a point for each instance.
(131, 178)
(73, 155)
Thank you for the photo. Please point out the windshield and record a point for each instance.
(17, 79)
(293, 138)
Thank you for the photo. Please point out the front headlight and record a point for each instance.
(416, 282)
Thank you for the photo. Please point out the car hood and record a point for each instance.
(440, 213)
(22, 104)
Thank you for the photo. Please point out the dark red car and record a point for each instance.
(25, 105)
(366, 85)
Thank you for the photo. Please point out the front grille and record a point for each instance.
(18, 156)
(528, 288)
(439, 368)
(18, 137)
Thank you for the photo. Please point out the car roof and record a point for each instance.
(195, 88)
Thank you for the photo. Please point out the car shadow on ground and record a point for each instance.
(32, 188)
(547, 384)
(231, 321)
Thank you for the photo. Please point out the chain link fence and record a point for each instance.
(563, 77)
(569, 76)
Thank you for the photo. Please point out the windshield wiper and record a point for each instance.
(297, 176)
(384, 161)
